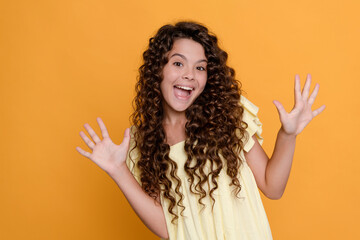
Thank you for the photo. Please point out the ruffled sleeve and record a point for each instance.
(134, 154)
(254, 124)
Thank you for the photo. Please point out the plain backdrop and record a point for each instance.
(64, 63)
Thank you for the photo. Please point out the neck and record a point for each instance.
(174, 127)
(174, 118)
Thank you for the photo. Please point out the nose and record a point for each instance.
(188, 74)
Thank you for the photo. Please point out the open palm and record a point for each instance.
(107, 155)
(294, 122)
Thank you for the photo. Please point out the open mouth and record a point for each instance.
(183, 91)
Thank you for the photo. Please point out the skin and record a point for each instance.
(187, 67)
(271, 175)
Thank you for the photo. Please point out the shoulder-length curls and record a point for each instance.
(214, 121)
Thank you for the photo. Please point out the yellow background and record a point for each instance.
(64, 63)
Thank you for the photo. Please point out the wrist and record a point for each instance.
(118, 170)
(287, 135)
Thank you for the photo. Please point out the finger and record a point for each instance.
(82, 152)
(313, 94)
(318, 111)
(280, 108)
(103, 129)
(126, 139)
(88, 142)
(297, 89)
(92, 133)
(306, 89)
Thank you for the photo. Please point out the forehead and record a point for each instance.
(188, 48)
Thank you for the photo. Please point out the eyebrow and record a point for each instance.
(183, 57)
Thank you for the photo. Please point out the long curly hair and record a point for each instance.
(214, 128)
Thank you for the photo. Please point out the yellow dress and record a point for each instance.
(232, 218)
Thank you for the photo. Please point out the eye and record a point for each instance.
(177, 64)
(201, 68)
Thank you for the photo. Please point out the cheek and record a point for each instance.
(165, 79)
(202, 87)
(163, 88)
(203, 82)
(169, 72)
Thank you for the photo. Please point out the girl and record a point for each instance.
(192, 163)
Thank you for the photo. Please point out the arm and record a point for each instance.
(148, 210)
(112, 159)
(271, 175)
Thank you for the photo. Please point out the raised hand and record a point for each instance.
(107, 155)
(294, 122)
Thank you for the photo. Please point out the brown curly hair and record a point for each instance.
(214, 125)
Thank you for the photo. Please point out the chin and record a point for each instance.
(181, 107)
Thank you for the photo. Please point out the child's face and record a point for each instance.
(184, 76)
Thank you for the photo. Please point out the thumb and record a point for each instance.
(279, 108)
(126, 140)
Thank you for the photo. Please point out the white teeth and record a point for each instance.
(185, 88)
